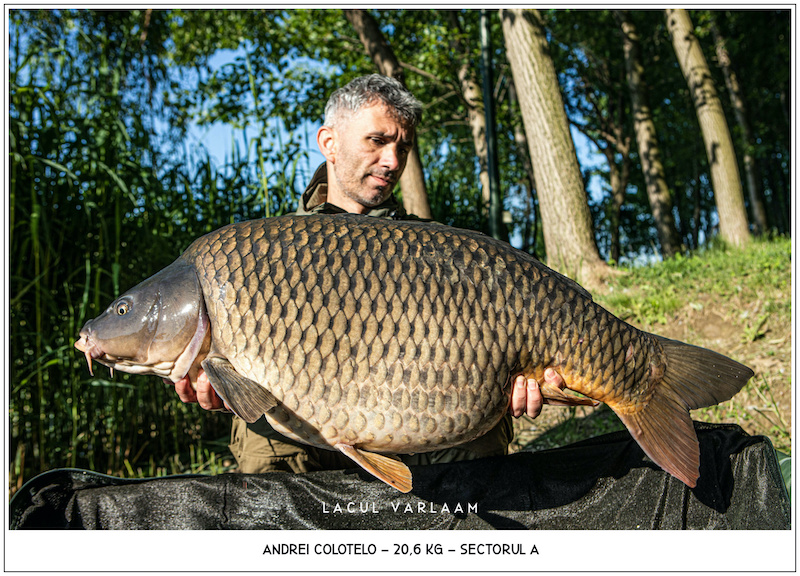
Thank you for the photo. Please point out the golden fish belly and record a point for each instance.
(411, 422)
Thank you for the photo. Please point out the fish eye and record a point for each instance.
(122, 308)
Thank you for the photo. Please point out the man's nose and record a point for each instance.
(390, 160)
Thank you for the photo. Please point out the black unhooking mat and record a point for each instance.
(602, 483)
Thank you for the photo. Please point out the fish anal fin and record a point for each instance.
(555, 396)
(665, 432)
(385, 468)
(246, 398)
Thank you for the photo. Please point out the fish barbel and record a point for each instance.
(378, 337)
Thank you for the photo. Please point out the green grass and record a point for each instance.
(650, 295)
(203, 457)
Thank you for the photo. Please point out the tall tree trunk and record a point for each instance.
(740, 110)
(523, 151)
(618, 178)
(566, 220)
(412, 181)
(471, 93)
(497, 226)
(719, 147)
(649, 153)
(781, 203)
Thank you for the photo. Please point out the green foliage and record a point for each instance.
(99, 200)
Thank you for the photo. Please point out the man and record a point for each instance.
(368, 134)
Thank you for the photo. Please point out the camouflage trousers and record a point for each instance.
(258, 448)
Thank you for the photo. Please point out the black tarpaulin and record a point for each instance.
(603, 483)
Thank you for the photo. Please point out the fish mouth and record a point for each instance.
(90, 349)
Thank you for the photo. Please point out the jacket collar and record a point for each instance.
(315, 199)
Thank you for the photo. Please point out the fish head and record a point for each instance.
(158, 327)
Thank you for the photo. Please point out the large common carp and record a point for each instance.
(378, 337)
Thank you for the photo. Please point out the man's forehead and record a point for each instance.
(379, 109)
(383, 120)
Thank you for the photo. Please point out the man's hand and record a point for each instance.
(204, 395)
(527, 399)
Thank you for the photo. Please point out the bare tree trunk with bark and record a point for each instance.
(412, 181)
(740, 110)
(649, 153)
(719, 146)
(523, 150)
(567, 223)
(618, 178)
(471, 93)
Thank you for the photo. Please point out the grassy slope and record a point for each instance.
(736, 302)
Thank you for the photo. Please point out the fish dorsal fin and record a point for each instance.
(392, 471)
(248, 399)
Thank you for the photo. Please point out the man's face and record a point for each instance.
(370, 150)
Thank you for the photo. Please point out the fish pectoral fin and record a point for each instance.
(555, 396)
(248, 399)
(390, 470)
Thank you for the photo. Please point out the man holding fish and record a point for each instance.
(386, 335)
(366, 139)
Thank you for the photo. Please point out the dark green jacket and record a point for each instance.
(314, 201)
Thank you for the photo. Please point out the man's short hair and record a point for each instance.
(368, 90)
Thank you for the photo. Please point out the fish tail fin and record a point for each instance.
(694, 377)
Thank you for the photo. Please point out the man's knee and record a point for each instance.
(257, 449)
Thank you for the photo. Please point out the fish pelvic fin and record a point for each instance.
(555, 396)
(246, 398)
(390, 470)
(693, 377)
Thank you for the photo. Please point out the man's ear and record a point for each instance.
(326, 140)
